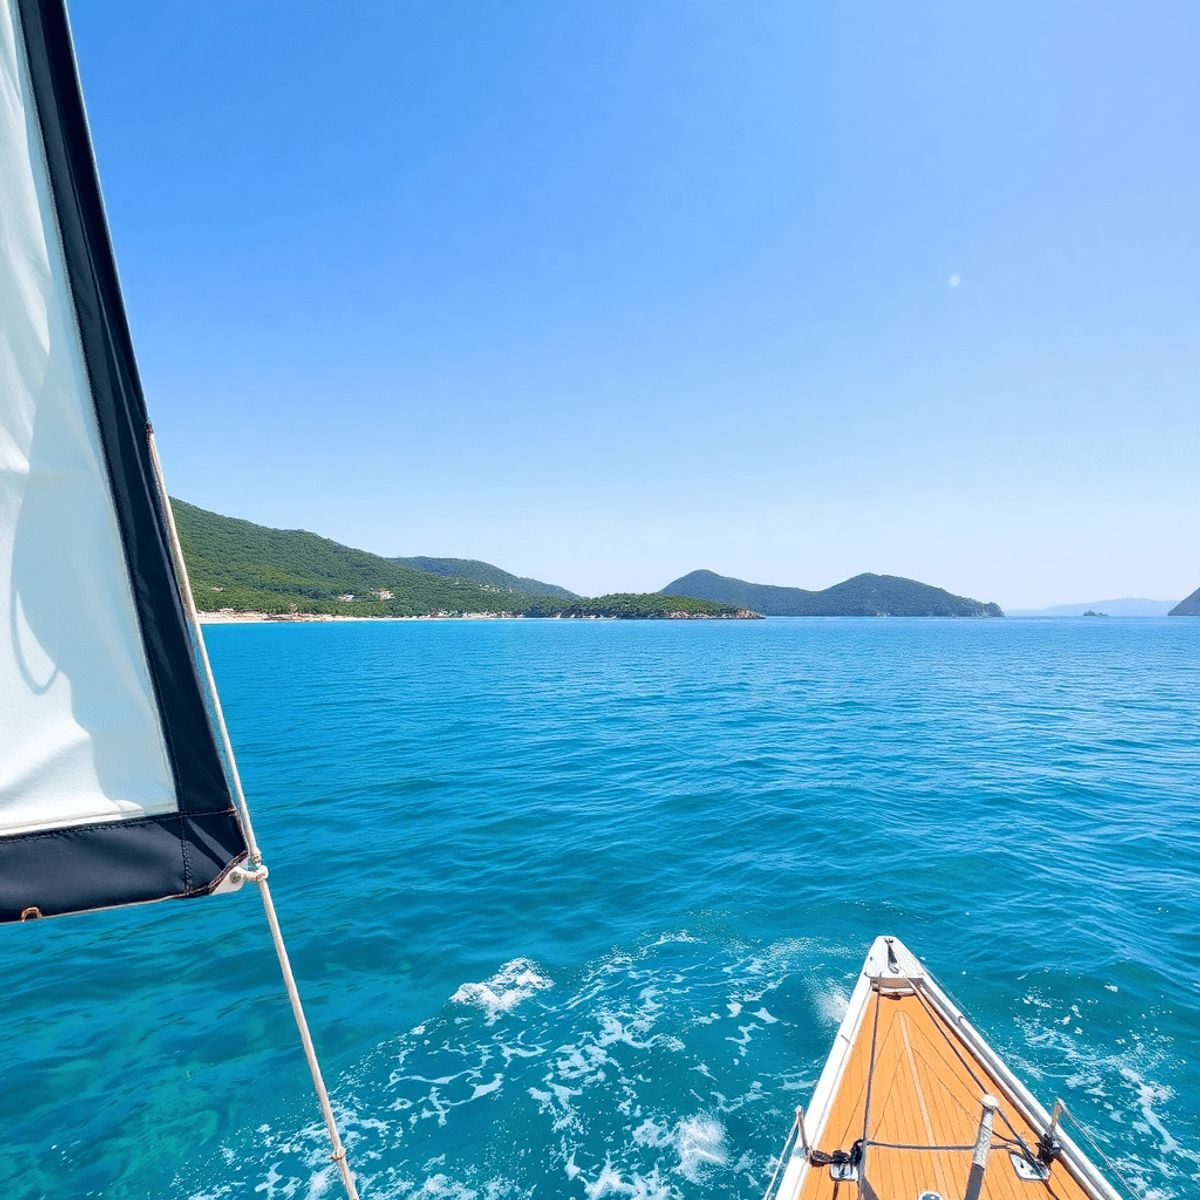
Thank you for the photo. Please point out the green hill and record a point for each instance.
(862, 596)
(481, 572)
(237, 564)
(243, 567)
(1189, 607)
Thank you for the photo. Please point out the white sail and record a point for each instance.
(117, 777)
(82, 737)
(113, 788)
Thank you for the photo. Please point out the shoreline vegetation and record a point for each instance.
(242, 572)
(248, 617)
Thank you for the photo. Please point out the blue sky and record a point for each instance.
(604, 291)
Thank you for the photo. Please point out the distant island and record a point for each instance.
(1187, 608)
(1126, 606)
(238, 568)
(1091, 613)
(862, 596)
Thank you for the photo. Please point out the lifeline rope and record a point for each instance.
(898, 1146)
(259, 874)
(862, 1161)
(937, 1021)
(1011, 1144)
(783, 1155)
(1026, 1153)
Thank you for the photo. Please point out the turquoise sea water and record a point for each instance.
(576, 907)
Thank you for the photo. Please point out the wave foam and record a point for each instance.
(700, 1143)
(669, 1071)
(514, 982)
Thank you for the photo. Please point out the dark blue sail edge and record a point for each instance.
(127, 861)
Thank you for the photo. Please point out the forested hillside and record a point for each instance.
(481, 572)
(243, 567)
(862, 596)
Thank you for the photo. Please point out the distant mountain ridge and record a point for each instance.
(863, 596)
(481, 572)
(1127, 606)
(1188, 607)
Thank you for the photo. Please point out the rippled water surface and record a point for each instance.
(576, 907)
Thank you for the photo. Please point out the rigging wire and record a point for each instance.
(1016, 1144)
(939, 1149)
(1025, 1150)
(1104, 1157)
(862, 1162)
(259, 873)
(784, 1154)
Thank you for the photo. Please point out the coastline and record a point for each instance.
(259, 618)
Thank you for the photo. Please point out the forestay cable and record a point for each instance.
(259, 872)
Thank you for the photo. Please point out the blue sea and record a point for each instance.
(576, 906)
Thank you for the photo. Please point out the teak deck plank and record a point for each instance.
(922, 1095)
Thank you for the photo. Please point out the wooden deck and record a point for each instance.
(922, 1094)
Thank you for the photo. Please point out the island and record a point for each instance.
(863, 596)
(242, 571)
(1189, 607)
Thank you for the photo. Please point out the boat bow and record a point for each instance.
(913, 1104)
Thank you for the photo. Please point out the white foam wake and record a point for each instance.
(514, 982)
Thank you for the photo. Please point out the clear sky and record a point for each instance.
(604, 291)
